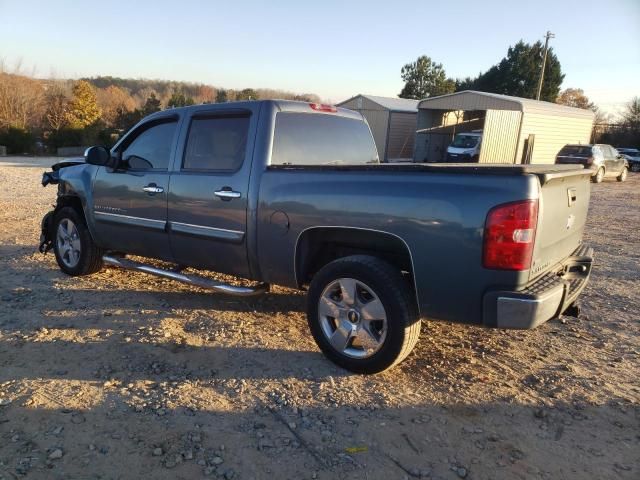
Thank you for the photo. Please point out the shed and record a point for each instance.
(392, 122)
(514, 130)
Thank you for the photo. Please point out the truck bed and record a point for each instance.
(545, 172)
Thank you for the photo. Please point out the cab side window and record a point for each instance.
(151, 149)
(216, 143)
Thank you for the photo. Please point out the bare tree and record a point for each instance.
(21, 101)
(114, 101)
(56, 100)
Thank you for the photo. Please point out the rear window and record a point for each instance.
(319, 139)
(577, 150)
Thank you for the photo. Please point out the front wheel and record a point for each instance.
(362, 315)
(623, 175)
(76, 252)
(599, 176)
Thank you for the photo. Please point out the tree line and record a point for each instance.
(39, 116)
(517, 74)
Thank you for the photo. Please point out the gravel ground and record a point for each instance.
(122, 375)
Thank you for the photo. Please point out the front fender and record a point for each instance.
(75, 187)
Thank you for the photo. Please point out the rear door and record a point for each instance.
(618, 160)
(207, 216)
(130, 202)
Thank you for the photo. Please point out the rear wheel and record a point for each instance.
(635, 167)
(623, 175)
(362, 315)
(599, 176)
(76, 252)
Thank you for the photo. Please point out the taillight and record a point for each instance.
(323, 107)
(590, 161)
(509, 233)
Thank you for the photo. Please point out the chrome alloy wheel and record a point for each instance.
(68, 243)
(352, 318)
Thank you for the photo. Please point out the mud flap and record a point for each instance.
(46, 234)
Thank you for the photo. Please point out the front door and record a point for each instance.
(130, 202)
(209, 191)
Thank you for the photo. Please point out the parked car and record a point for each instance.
(292, 193)
(603, 160)
(465, 147)
(632, 155)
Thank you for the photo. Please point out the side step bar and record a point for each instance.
(194, 280)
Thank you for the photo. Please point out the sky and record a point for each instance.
(335, 49)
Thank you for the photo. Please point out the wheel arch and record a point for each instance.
(317, 246)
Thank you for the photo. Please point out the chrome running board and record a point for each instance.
(194, 280)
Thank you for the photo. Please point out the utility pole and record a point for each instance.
(544, 62)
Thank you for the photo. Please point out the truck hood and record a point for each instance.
(53, 177)
(67, 162)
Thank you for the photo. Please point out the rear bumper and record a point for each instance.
(544, 299)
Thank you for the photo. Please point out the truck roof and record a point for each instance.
(281, 105)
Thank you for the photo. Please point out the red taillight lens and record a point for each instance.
(509, 234)
(322, 107)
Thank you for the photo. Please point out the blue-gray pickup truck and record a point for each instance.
(292, 193)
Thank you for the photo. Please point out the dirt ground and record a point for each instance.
(122, 375)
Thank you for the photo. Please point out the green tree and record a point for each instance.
(247, 94)
(83, 108)
(151, 105)
(179, 100)
(425, 78)
(221, 96)
(518, 73)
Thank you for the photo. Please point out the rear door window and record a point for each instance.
(322, 139)
(216, 143)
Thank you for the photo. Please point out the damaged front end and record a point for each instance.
(53, 178)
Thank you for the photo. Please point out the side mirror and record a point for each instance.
(98, 156)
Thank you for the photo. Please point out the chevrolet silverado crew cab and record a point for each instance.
(291, 193)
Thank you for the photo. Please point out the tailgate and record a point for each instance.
(564, 203)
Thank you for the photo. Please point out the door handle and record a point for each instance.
(152, 189)
(227, 194)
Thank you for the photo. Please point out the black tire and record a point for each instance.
(623, 175)
(599, 176)
(89, 256)
(635, 167)
(397, 298)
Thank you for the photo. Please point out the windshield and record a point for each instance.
(465, 141)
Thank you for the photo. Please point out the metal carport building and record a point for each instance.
(392, 122)
(514, 130)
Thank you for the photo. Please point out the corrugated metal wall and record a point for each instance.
(500, 136)
(402, 134)
(552, 132)
(378, 118)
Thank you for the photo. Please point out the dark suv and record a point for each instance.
(604, 160)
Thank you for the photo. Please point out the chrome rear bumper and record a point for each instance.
(546, 298)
